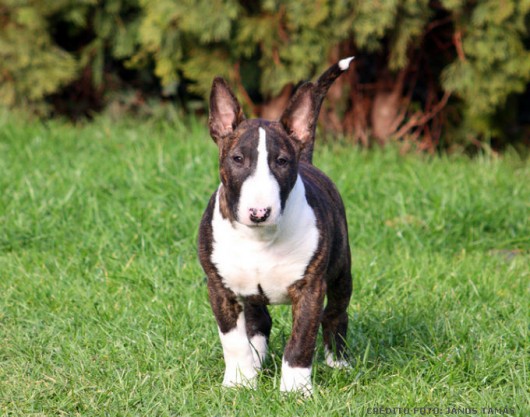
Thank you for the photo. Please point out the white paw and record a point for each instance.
(332, 362)
(296, 379)
(235, 376)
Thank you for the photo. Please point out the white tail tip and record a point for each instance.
(344, 64)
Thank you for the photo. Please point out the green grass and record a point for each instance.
(103, 305)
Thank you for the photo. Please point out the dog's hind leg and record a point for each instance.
(335, 319)
(258, 325)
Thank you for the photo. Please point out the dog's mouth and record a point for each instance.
(268, 224)
(261, 225)
(265, 232)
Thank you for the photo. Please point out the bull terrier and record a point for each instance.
(275, 232)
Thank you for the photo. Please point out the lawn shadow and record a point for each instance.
(383, 341)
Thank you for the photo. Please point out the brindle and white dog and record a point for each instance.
(275, 232)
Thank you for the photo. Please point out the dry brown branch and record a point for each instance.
(420, 118)
(457, 40)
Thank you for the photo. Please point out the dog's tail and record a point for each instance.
(320, 88)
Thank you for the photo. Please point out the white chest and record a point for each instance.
(268, 258)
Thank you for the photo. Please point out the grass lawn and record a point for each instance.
(103, 305)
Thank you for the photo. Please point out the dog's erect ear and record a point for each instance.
(225, 111)
(301, 115)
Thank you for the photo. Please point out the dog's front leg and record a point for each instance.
(240, 366)
(307, 297)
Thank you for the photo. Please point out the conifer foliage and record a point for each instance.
(430, 72)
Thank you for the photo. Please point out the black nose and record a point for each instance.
(259, 215)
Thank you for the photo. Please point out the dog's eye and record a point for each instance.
(238, 159)
(281, 161)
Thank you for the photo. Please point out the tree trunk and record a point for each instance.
(388, 111)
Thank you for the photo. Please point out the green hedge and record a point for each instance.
(433, 73)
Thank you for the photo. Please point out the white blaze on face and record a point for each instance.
(260, 190)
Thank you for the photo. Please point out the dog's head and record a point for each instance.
(258, 159)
